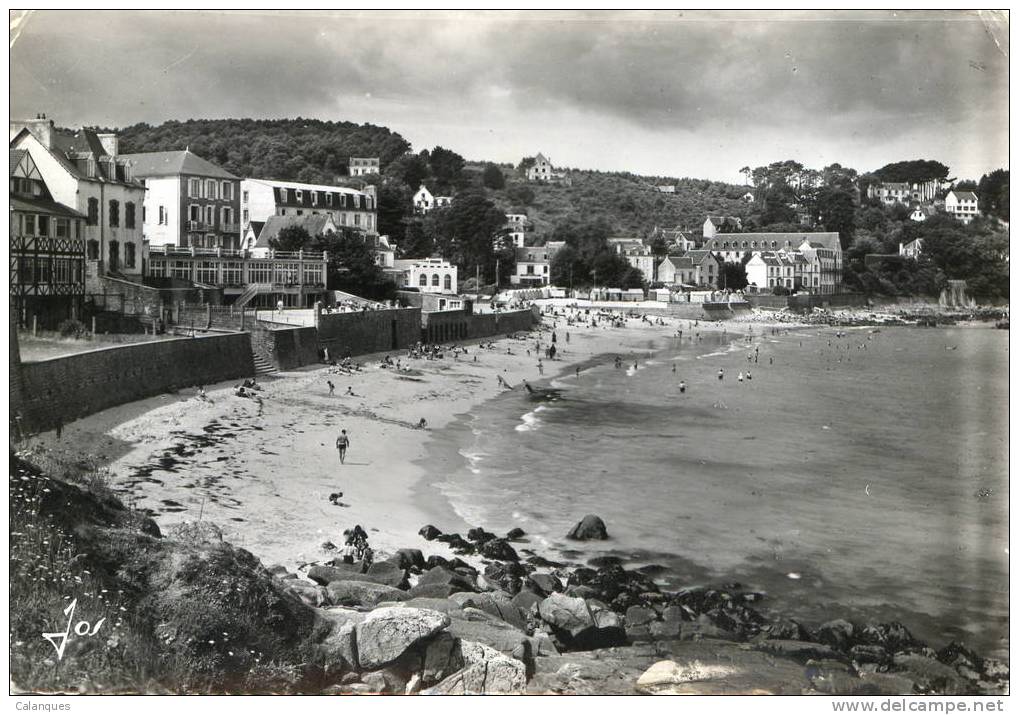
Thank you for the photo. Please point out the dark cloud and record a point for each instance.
(819, 75)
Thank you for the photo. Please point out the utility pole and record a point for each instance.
(497, 274)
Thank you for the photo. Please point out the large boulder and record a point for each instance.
(544, 583)
(387, 633)
(195, 533)
(338, 571)
(337, 650)
(429, 532)
(526, 600)
(389, 573)
(444, 576)
(311, 593)
(362, 593)
(486, 671)
(480, 535)
(442, 658)
(837, 633)
(495, 604)
(498, 549)
(409, 558)
(590, 527)
(471, 624)
(516, 533)
(664, 676)
(566, 615)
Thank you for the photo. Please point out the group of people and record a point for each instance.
(356, 548)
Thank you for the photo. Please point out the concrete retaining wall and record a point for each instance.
(66, 388)
(287, 348)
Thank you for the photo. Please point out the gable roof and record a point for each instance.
(306, 187)
(313, 224)
(44, 206)
(16, 156)
(680, 261)
(172, 163)
(539, 157)
(965, 195)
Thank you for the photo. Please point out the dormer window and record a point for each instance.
(314, 198)
(329, 199)
(299, 194)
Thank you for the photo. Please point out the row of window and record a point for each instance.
(210, 189)
(752, 244)
(323, 198)
(208, 214)
(113, 213)
(25, 224)
(130, 253)
(355, 220)
(231, 273)
(54, 271)
(447, 281)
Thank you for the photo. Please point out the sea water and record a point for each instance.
(862, 476)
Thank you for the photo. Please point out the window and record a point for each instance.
(114, 258)
(180, 269)
(227, 216)
(162, 215)
(129, 255)
(210, 240)
(329, 199)
(92, 249)
(283, 212)
(312, 275)
(244, 215)
(447, 282)
(157, 268)
(260, 273)
(194, 212)
(129, 215)
(63, 227)
(207, 271)
(77, 229)
(93, 212)
(29, 224)
(314, 198)
(227, 193)
(423, 281)
(435, 280)
(210, 189)
(210, 215)
(232, 273)
(244, 196)
(300, 212)
(299, 195)
(114, 213)
(194, 188)
(357, 219)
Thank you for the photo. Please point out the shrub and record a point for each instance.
(72, 328)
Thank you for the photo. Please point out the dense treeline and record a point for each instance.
(305, 150)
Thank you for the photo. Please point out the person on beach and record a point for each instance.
(350, 391)
(739, 377)
(674, 367)
(578, 372)
(682, 386)
(721, 374)
(332, 387)
(541, 367)
(342, 442)
(423, 423)
(749, 376)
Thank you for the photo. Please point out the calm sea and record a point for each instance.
(863, 477)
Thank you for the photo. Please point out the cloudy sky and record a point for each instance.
(664, 93)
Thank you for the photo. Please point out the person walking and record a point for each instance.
(342, 442)
(332, 387)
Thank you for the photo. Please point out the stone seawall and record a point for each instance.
(451, 325)
(287, 348)
(63, 389)
(370, 331)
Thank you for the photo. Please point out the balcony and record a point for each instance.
(196, 225)
(230, 228)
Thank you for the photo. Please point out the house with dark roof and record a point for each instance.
(690, 269)
(315, 225)
(262, 198)
(822, 250)
(47, 250)
(189, 201)
(84, 172)
(533, 266)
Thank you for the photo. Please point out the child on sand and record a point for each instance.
(332, 387)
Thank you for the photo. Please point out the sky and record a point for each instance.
(665, 93)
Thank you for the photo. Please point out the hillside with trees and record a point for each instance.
(304, 150)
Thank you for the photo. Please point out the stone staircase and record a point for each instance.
(262, 365)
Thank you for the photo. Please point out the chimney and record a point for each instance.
(110, 143)
(40, 127)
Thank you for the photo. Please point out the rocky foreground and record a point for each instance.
(194, 614)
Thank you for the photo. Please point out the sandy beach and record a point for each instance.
(266, 479)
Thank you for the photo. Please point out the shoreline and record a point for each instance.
(266, 479)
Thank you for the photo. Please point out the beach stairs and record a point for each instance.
(262, 365)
